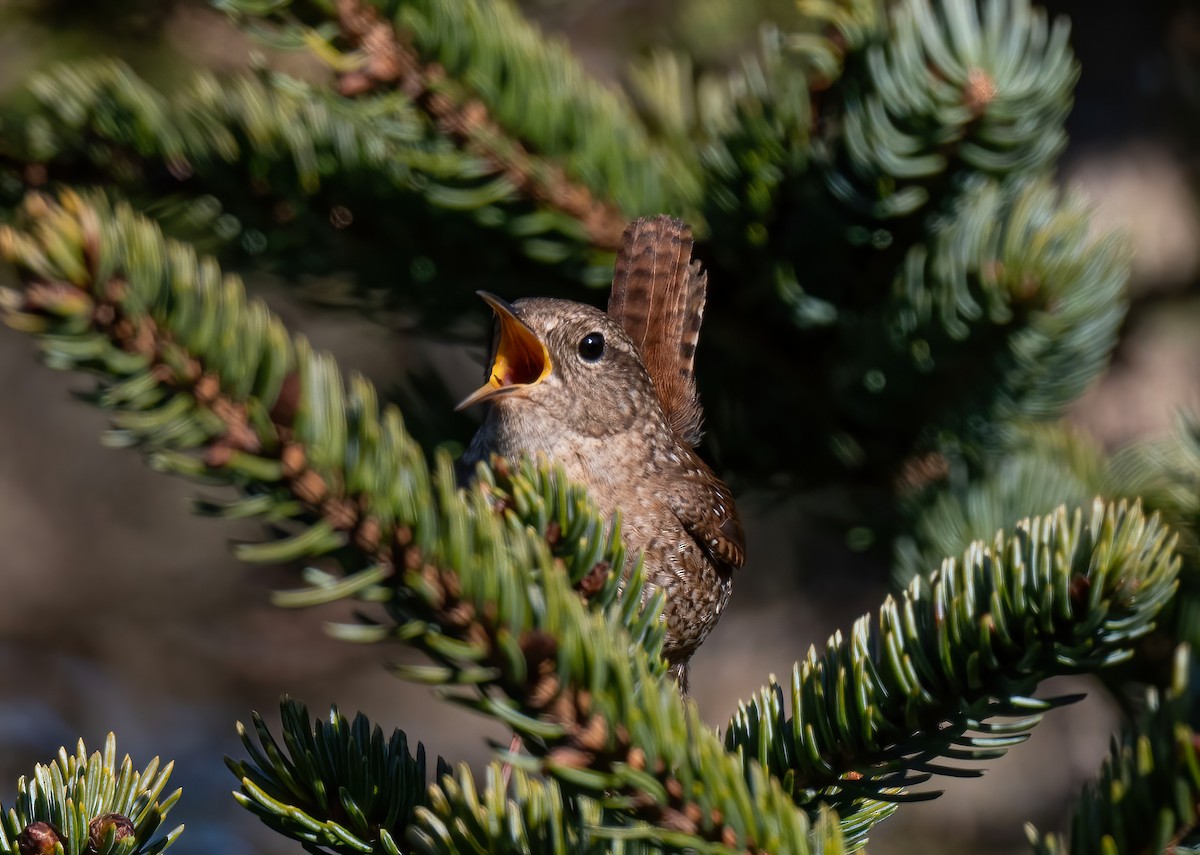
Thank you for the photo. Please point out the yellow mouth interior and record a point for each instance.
(521, 359)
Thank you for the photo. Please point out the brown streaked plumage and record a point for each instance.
(612, 397)
(658, 296)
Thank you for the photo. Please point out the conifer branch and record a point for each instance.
(951, 655)
(341, 786)
(932, 89)
(581, 151)
(338, 784)
(884, 183)
(270, 161)
(390, 61)
(1058, 464)
(90, 805)
(1146, 798)
(1051, 465)
(1166, 472)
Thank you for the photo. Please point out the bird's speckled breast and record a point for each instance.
(633, 471)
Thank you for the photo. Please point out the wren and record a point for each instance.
(611, 397)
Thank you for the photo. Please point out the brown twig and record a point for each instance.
(391, 61)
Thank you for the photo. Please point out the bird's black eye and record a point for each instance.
(591, 347)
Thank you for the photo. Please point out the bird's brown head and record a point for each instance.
(563, 361)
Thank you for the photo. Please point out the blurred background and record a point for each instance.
(121, 611)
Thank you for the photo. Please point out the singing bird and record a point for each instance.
(611, 396)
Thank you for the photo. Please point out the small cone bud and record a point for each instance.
(38, 838)
(99, 828)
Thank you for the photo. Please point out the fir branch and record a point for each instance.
(340, 786)
(1000, 314)
(836, 29)
(390, 61)
(936, 88)
(1147, 797)
(1051, 465)
(935, 285)
(950, 655)
(534, 817)
(476, 67)
(90, 805)
(215, 388)
(1166, 472)
(870, 113)
(336, 784)
(1013, 272)
(308, 158)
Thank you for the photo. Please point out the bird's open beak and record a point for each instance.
(520, 359)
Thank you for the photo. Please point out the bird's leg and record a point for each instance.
(679, 673)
